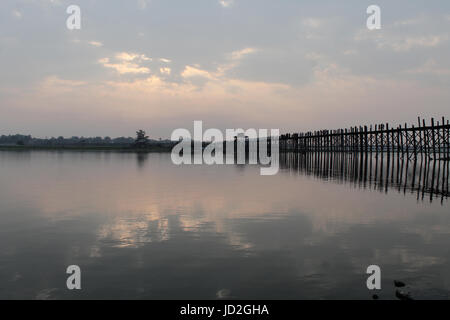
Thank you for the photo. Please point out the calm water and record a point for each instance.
(140, 227)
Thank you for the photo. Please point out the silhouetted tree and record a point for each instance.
(141, 138)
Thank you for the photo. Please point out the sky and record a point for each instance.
(158, 65)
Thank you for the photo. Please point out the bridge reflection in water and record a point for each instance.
(384, 172)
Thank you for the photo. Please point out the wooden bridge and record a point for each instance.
(431, 140)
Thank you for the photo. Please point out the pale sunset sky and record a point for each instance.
(159, 65)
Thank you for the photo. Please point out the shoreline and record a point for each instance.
(153, 148)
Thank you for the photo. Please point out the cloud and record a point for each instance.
(96, 43)
(142, 4)
(47, 2)
(238, 55)
(349, 52)
(17, 14)
(313, 23)
(191, 72)
(124, 67)
(166, 71)
(428, 41)
(233, 60)
(222, 100)
(419, 42)
(317, 28)
(401, 42)
(226, 3)
(55, 85)
(430, 67)
(165, 60)
(409, 22)
(125, 56)
(127, 63)
(254, 101)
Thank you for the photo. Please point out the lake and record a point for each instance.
(140, 227)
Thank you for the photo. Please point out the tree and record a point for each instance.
(141, 138)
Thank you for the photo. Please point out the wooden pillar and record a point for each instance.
(448, 145)
(388, 144)
(406, 140)
(426, 142)
(366, 139)
(420, 137)
(433, 138)
(381, 140)
(443, 141)
(376, 138)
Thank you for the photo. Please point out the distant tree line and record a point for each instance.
(27, 140)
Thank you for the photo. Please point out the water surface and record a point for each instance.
(141, 227)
